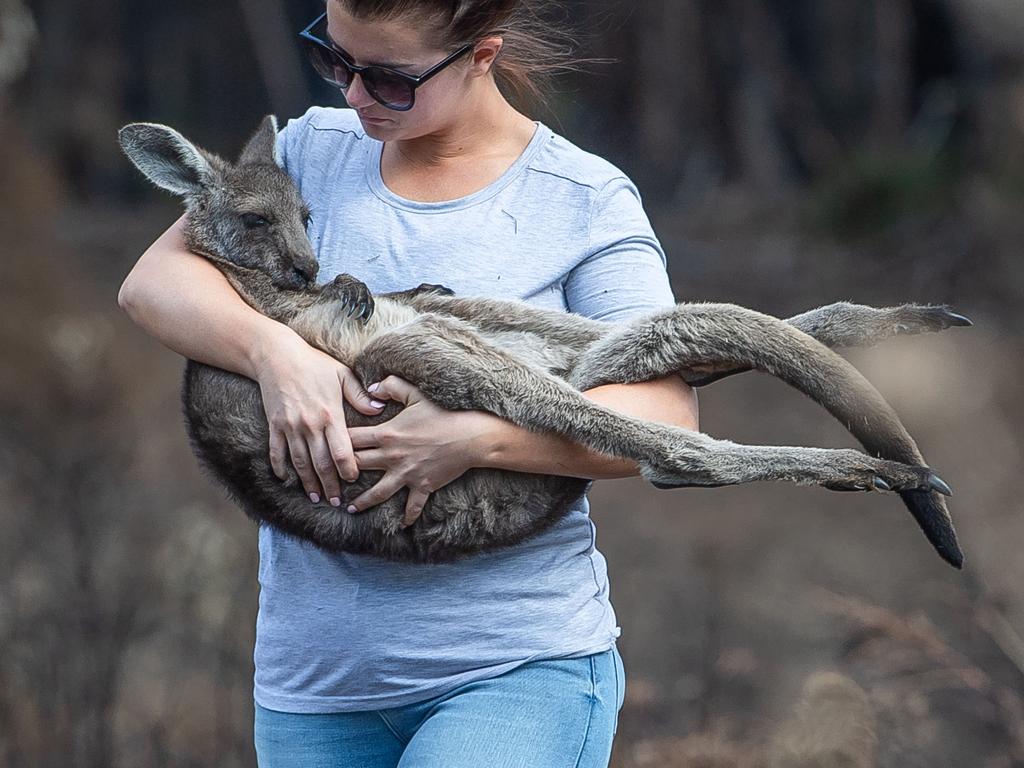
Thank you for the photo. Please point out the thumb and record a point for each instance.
(395, 388)
(357, 397)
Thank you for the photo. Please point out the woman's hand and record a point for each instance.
(302, 391)
(423, 448)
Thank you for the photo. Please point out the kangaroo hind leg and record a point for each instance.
(850, 325)
(841, 324)
(693, 338)
(458, 370)
(855, 325)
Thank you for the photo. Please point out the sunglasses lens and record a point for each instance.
(328, 64)
(389, 90)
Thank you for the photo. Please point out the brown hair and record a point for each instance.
(536, 45)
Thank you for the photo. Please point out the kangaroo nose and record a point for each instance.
(306, 272)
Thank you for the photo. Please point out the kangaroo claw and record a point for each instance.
(957, 319)
(881, 485)
(936, 483)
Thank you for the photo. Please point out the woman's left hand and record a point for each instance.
(423, 448)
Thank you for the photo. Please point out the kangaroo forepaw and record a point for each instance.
(353, 296)
(441, 290)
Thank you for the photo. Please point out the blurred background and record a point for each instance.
(790, 153)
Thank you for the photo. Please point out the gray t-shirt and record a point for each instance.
(561, 229)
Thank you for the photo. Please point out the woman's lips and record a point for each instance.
(371, 119)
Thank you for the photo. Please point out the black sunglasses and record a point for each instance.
(388, 87)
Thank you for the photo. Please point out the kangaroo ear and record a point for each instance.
(262, 145)
(166, 158)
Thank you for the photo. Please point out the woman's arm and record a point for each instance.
(508, 446)
(185, 302)
(415, 454)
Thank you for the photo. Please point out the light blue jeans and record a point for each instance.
(545, 714)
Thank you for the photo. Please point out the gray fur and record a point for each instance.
(524, 364)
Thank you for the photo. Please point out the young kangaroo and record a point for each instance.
(523, 364)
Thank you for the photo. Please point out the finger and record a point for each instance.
(352, 390)
(414, 506)
(387, 487)
(301, 461)
(323, 464)
(394, 388)
(371, 459)
(363, 437)
(340, 448)
(278, 454)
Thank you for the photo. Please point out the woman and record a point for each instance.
(502, 659)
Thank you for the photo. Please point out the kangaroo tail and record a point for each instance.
(715, 336)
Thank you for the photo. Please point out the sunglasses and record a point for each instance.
(388, 87)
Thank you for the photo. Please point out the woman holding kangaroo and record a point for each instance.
(432, 176)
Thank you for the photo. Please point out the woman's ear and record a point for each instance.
(484, 54)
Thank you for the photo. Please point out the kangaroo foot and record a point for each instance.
(914, 318)
(835, 469)
(882, 475)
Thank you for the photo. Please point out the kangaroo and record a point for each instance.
(524, 364)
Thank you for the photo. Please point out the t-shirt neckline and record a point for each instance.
(381, 190)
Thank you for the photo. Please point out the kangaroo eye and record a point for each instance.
(253, 220)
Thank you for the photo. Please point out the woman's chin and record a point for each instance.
(376, 128)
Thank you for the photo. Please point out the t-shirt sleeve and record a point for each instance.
(624, 272)
(290, 142)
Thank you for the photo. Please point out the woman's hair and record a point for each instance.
(537, 44)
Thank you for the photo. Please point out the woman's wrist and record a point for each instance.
(270, 346)
(488, 437)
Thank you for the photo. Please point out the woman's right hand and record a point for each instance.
(303, 389)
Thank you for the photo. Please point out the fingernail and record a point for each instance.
(335, 501)
(376, 403)
(373, 387)
(351, 509)
(315, 498)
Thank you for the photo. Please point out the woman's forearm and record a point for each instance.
(185, 302)
(668, 401)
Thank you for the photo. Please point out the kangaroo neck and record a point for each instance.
(257, 290)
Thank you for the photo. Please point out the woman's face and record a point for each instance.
(401, 44)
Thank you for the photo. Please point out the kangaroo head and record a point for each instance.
(249, 214)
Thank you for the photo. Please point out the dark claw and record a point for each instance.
(351, 310)
(937, 485)
(881, 485)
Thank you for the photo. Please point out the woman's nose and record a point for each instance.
(356, 94)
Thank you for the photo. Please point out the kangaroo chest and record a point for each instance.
(326, 326)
